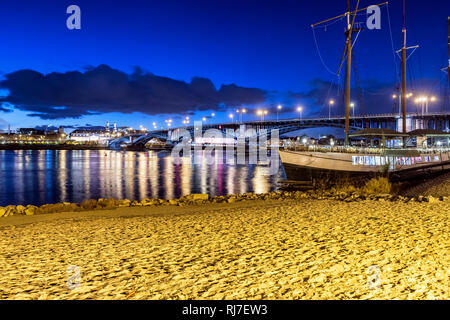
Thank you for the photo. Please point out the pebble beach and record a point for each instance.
(260, 249)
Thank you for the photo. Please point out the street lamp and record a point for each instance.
(279, 107)
(231, 116)
(262, 113)
(424, 101)
(300, 109)
(394, 96)
(241, 112)
(352, 105)
(330, 104)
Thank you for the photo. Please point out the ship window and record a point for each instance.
(436, 159)
(354, 160)
(426, 158)
(377, 161)
(418, 159)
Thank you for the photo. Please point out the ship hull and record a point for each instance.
(303, 165)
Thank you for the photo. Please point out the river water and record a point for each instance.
(50, 176)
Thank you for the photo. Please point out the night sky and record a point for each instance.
(134, 62)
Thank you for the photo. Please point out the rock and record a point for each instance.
(431, 199)
(124, 203)
(89, 204)
(2, 211)
(173, 202)
(30, 210)
(231, 200)
(136, 204)
(199, 196)
(20, 209)
(10, 211)
(107, 203)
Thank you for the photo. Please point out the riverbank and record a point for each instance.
(262, 249)
(437, 186)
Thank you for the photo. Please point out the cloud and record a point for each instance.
(103, 89)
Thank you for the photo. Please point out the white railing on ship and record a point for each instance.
(365, 150)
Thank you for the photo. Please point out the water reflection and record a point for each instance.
(39, 177)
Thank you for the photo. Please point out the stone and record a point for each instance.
(431, 199)
(199, 196)
(20, 209)
(2, 211)
(31, 210)
(124, 203)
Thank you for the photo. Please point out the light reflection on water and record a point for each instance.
(50, 176)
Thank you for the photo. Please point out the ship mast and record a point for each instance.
(348, 73)
(404, 72)
(348, 51)
(448, 70)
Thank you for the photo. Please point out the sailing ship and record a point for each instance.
(357, 161)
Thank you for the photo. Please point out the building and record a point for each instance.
(33, 136)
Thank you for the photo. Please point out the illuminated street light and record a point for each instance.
(424, 101)
(300, 110)
(330, 104)
(279, 107)
(352, 105)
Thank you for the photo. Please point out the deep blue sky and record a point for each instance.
(251, 43)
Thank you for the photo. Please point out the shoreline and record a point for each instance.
(202, 199)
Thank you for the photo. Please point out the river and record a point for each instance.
(51, 176)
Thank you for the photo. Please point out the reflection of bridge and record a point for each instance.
(435, 121)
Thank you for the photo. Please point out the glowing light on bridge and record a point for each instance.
(279, 107)
(300, 110)
(330, 104)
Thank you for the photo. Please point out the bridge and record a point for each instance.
(436, 121)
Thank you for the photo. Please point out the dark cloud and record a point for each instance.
(103, 89)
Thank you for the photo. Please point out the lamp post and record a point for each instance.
(300, 109)
(352, 105)
(241, 113)
(424, 100)
(330, 104)
(394, 96)
(279, 107)
(231, 116)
